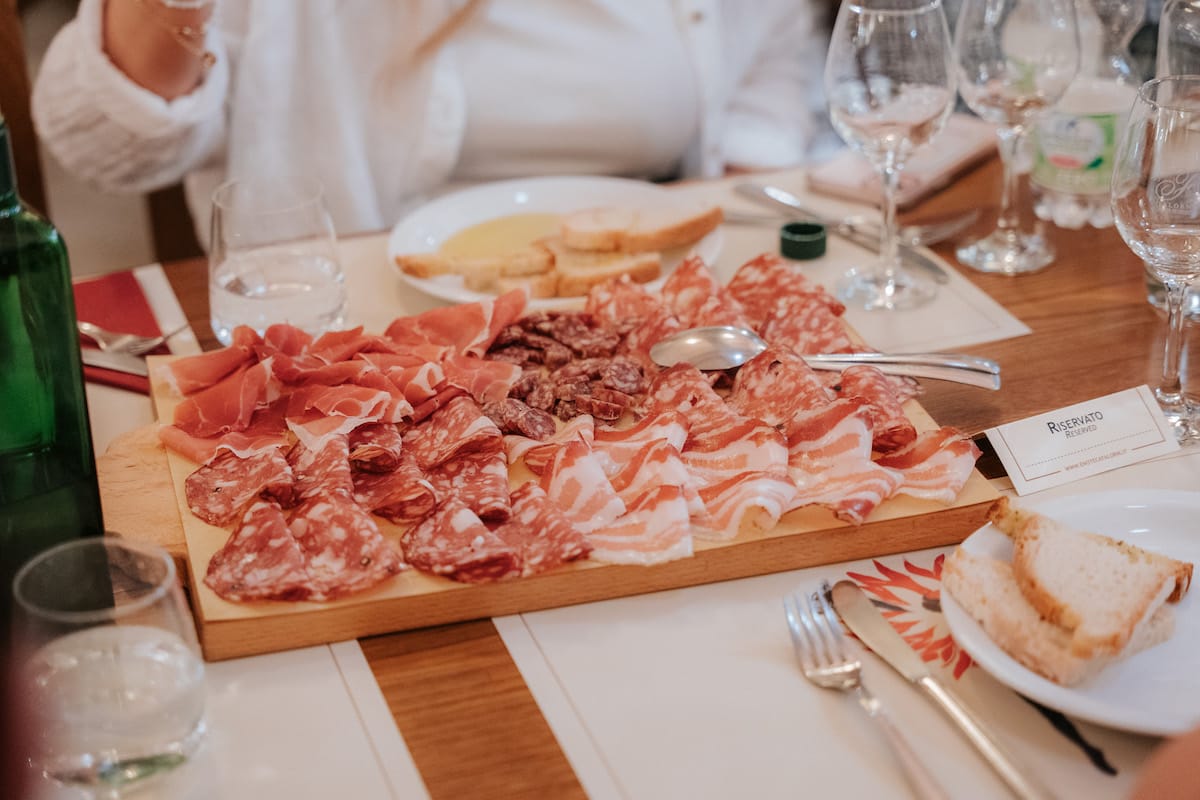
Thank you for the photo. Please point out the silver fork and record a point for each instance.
(120, 342)
(821, 650)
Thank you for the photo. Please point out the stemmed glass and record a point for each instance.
(1015, 59)
(1156, 206)
(889, 78)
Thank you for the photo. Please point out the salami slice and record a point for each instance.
(375, 447)
(775, 385)
(541, 532)
(322, 471)
(402, 495)
(342, 546)
(478, 480)
(220, 490)
(767, 281)
(459, 427)
(261, 560)
(810, 328)
(454, 542)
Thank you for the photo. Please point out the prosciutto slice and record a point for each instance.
(935, 465)
(469, 328)
(261, 560)
(190, 374)
(486, 381)
(455, 543)
(226, 405)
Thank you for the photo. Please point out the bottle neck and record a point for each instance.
(8, 172)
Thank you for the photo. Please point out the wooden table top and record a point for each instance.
(470, 722)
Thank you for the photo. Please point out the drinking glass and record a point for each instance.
(1156, 206)
(110, 662)
(889, 79)
(1015, 58)
(273, 257)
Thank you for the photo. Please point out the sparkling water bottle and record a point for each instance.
(48, 489)
(1074, 142)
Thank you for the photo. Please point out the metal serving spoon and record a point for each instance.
(727, 346)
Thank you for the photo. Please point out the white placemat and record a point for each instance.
(695, 693)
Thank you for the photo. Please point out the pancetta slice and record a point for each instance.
(344, 552)
(661, 424)
(751, 502)
(654, 530)
(538, 454)
(541, 532)
(260, 560)
(458, 427)
(454, 542)
(576, 480)
(891, 429)
(220, 490)
(934, 466)
(741, 445)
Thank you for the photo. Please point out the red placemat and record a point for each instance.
(116, 301)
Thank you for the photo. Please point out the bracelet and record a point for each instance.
(188, 37)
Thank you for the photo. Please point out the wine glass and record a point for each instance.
(1015, 59)
(273, 257)
(1156, 206)
(889, 79)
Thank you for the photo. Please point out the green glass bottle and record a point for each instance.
(48, 489)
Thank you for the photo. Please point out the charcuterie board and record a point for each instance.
(804, 538)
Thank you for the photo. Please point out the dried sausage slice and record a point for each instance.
(343, 548)
(219, 491)
(261, 560)
(454, 542)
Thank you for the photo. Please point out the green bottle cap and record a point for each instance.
(802, 240)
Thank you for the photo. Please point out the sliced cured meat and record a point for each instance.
(655, 529)
(376, 447)
(422, 411)
(487, 381)
(478, 480)
(538, 454)
(359, 404)
(324, 470)
(685, 389)
(648, 330)
(220, 490)
(403, 495)
(775, 385)
(343, 549)
(261, 560)
(226, 405)
(576, 481)
(541, 532)
(891, 429)
(694, 295)
(286, 339)
(335, 346)
(190, 374)
(656, 463)
(513, 416)
(935, 465)
(469, 328)
(618, 301)
(455, 543)
(810, 328)
(459, 427)
(745, 503)
(829, 461)
(416, 376)
(741, 445)
(766, 281)
(306, 369)
(662, 424)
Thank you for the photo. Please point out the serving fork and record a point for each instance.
(121, 342)
(822, 652)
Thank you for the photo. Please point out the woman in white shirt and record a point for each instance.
(389, 101)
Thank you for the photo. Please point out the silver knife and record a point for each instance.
(121, 362)
(788, 202)
(861, 616)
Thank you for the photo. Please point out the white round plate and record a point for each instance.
(425, 229)
(1152, 692)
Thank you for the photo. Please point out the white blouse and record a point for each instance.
(648, 88)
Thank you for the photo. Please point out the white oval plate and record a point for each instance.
(425, 229)
(1153, 692)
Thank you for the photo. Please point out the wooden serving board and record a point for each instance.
(804, 538)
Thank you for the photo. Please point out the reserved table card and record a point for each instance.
(1083, 440)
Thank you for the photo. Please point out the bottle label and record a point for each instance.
(1074, 152)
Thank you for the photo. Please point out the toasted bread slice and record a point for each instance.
(1098, 588)
(580, 270)
(482, 271)
(629, 230)
(987, 589)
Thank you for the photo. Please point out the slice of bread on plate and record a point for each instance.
(1097, 588)
(480, 270)
(579, 270)
(987, 589)
(637, 230)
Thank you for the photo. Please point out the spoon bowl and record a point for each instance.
(718, 347)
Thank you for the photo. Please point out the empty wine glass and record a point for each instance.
(1015, 59)
(1156, 206)
(889, 78)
